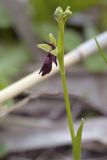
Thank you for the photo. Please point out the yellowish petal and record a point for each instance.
(45, 47)
(52, 39)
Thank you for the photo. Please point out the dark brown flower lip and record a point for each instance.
(47, 65)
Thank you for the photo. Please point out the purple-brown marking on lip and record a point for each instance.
(47, 65)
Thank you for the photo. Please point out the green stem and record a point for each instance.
(68, 108)
(63, 79)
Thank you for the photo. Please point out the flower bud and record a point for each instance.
(67, 13)
(61, 16)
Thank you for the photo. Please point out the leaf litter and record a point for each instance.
(36, 127)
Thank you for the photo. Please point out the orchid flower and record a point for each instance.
(51, 49)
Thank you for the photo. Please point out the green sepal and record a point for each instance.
(44, 46)
(77, 142)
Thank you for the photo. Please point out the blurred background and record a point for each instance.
(39, 114)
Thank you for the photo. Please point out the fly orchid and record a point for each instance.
(57, 52)
(52, 51)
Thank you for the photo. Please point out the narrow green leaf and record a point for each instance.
(101, 51)
(77, 144)
(95, 64)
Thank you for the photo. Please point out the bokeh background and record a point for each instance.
(25, 23)
(38, 128)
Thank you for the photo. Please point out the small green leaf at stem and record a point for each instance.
(77, 143)
(101, 51)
